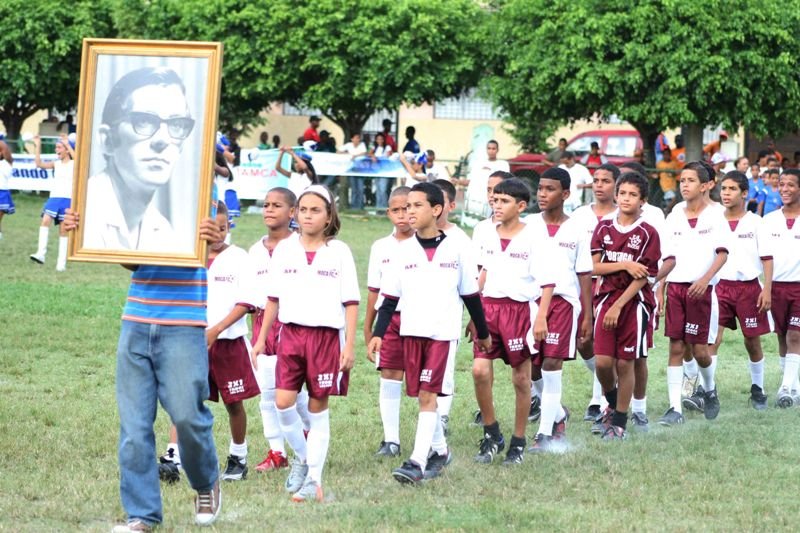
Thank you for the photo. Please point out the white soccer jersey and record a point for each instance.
(457, 234)
(227, 286)
(655, 217)
(694, 249)
(380, 259)
(782, 244)
(313, 294)
(569, 255)
(482, 231)
(431, 289)
(586, 219)
(259, 262)
(62, 179)
(744, 257)
(518, 272)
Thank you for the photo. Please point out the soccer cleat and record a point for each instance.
(688, 386)
(408, 473)
(236, 469)
(169, 468)
(560, 427)
(132, 526)
(436, 464)
(297, 476)
(477, 419)
(640, 422)
(488, 447)
(785, 398)
(536, 409)
(514, 456)
(445, 421)
(388, 449)
(757, 398)
(273, 461)
(207, 505)
(671, 418)
(541, 444)
(37, 258)
(310, 491)
(696, 401)
(614, 433)
(711, 408)
(592, 412)
(601, 423)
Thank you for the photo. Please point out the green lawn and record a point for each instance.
(58, 433)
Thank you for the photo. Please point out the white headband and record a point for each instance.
(320, 190)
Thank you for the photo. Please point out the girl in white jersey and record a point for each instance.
(59, 201)
(314, 293)
(6, 202)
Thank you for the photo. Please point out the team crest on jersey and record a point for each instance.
(570, 245)
(332, 273)
(635, 242)
(607, 240)
(224, 279)
(452, 264)
(518, 255)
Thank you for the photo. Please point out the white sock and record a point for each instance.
(176, 454)
(443, 405)
(674, 380)
(439, 442)
(389, 401)
(590, 364)
(44, 232)
(757, 373)
(551, 400)
(61, 263)
(691, 369)
(239, 450)
(426, 427)
(302, 408)
(639, 406)
(269, 419)
(537, 387)
(707, 375)
(790, 370)
(597, 389)
(319, 436)
(292, 428)
(782, 361)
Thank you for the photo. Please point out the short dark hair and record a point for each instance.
(594, 144)
(502, 174)
(772, 158)
(222, 209)
(634, 178)
(793, 172)
(562, 139)
(447, 187)
(610, 167)
(773, 171)
(117, 104)
(558, 174)
(516, 188)
(700, 169)
(399, 191)
(410, 131)
(712, 174)
(492, 141)
(430, 153)
(739, 178)
(433, 194)
(567, 154)
(635, 166)
(288, 195)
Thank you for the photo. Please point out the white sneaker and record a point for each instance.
(132, 527)
(785, 398)
(37, 258)
(688, 386)
(207, 505)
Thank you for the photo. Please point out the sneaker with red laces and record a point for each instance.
(274, 461)
(600, 425)
(207, 504)
(560, 427)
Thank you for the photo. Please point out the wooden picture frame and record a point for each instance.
(144, 170)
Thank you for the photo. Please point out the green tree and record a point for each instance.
(657, 64)
(41, 54)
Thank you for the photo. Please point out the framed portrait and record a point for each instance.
(147, 122)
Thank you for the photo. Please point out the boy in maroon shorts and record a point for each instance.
(430, 267)
(781, 236)
(230, 373)
(510, 280)
(625, 251)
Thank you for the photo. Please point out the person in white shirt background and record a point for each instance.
(580, 180)
(355, 148)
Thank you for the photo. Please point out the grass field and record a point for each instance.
(59, 427)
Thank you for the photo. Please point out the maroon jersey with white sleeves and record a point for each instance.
(638, 242)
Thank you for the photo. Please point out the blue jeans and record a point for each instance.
(356, 192)
(170, 364)
(382, 186)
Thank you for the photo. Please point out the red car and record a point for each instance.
(618, 146)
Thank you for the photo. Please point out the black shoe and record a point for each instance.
(488, 448)
(409, 472)
(536, 409)
(514, 455)
(236, 469)
(640, 422)
(592, 412)
(602, 422)
(436, 464)
(388, 449)
(757, 398)
(169, 472)
(477, 419)
(671, 418)
(711, 405)
(697, 401)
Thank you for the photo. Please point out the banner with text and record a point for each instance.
(26, 176)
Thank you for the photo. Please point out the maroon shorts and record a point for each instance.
(509, 322)
(739, 300)
(391, 354)
(310, 355)
(271, 346)
(692, 320)
(429, 365)
(562, 332)
(230, 373)
(786, 306)
(629, 339)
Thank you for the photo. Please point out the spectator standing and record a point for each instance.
(661, 143)
(262, 141)
(311, 133)
(381, 149)
(355, 148)
(679, 152)
(435, 170)
(387, 134)
(580, 180)
(411, 144)
(715, 146)
(327, 144)
(668, 179)
(594, 158)
(276, 141)
(554, 157)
